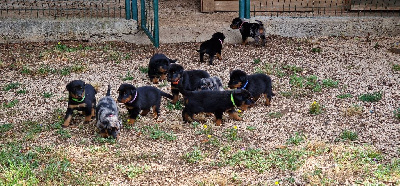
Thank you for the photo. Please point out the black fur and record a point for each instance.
(158, 67)
(216, 102)
(254, 30)
(212, 47)
(256, 84)
(81, 98)
(107, 116)
(141, 98)
(181, 79)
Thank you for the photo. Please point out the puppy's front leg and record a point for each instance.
(133, 114)
(67, 118)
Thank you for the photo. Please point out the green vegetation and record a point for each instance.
(396, 68)
(194, 156)
(397, 113)
(143, 70)
(315, 108)
(296, 139)
(154, 132)
(348, 135)
(177, 106)
(371, 97)
(10, 104)
(128, 77)
(11, 86)
(344, 96)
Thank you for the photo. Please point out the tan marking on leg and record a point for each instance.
(88, 118)
(145, 112)
(155, 114)
(155, 80)
(218, 122)
(244, 107)
(234, 115)
(131, 121)
(267, 101)
(163, 77)
(104, 134)
(93, 112)
(175, 99)
(67, 121)
(219, 56)
(187, 118)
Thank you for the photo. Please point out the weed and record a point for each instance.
(275, 114)
(205, 130)
(109, 140)
(354, 110)
(344, 96)
(64, 134)
(26, 70)
(316, 50)
(10, 104)
(257, 61)
(232, 133)
(195, 124)
(213, 140)
(133, 171)
(47, 95)
(143, 70)
(65, 71)
(11, 86)
(315, 108)
(348, 135)
(6, 127)
(292, 68)
(312, 83)
(396, 68)
(250, 128)
(156, 133)
(23, 91)
(397, 113)
(127, 77)
(163, 84)
(371, 97)
(176, 106)
(330, 83)
(194, 156)
(296, 139)
(296, 81)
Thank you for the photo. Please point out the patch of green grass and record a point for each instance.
(11, 86)
(275, 114)
(128, 77)
(257, 61)
(6, 127)
(296, 81)
(371, 97)
(315, 108)
(194, 156)
(156, 133)
(132, 171)
(43, 70)
(23, 91)
(64, 133)
(26, 70)
(232, 133)
(397, 113)
(65, 71)
(344, 96)
(354, 110)
(330, 83)
(64, 48)
(195, 124)
(205, 130)
(47, 95)
(109, 140)
(316, 50)
(177, 106)
(292, 68)
(250, 128)
(10, 104)
(396, 68)
(143, 70)
(348, 135)
(163, 84)
(32, 129)
(296, 139)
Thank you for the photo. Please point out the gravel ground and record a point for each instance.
(360, 65)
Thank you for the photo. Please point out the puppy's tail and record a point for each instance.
(259, 22)
(108, 90)
(164, 94)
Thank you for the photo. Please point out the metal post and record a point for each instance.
(247, 10)
(241, 8)
(127, 9)
(143, 13)
(156, 29)
(134, 10)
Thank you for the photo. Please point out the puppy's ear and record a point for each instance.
(68, 87)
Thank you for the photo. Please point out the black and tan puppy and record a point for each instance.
(82, 98)
(107, 116)
(217, 102)
(254, 30)
(256, 84)
(141, 99)
(158, 67)
(212, 47)
(181, 79)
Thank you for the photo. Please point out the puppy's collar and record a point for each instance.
(242, 24)
(245, 85)
(83, 98)
(131, 101)
(233, 101)
(176, 82)
(220, 41)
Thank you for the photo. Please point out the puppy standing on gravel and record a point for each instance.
(212, 47)
(141, 98)
(256, 84)
(181, 79)
(158, 67)
(254, 30)
(107, 118)
(82, 98)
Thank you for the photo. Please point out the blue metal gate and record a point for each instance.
(148, 17)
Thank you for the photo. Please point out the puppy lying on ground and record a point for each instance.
(211, 83)
(158, 67)
(212, 47)
(108, 121)
(189, 80)
(254, 30)
(141, 99)
(216, 102)
(82, 98)
(256, 84)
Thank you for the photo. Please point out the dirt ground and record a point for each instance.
(164, 152)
